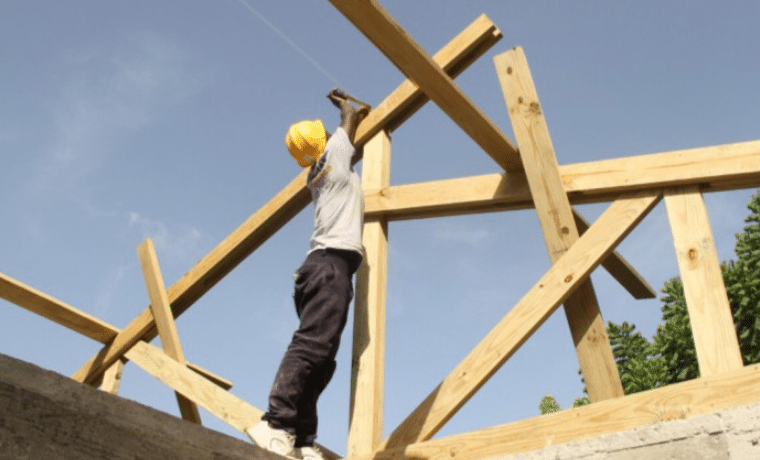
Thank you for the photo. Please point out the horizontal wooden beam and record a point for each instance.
(273, 215)
(672, 402)
(523, 319)
(53, 309)
(716, 168)
(382, 29)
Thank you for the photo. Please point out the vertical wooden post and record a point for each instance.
(367, 373)
(112, 377)
(555, 215)
(709, 310)
(162, 312)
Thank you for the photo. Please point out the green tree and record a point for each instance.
(548, 405)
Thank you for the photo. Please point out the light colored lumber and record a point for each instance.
(218, 402)
(620, 269)
(27, 297)
(210, 376)
(222, 404)
(557, 221)
(278, 211)
(715, 168)
(382, 29)
(712, 323)
(523, 319)
(672, 402)
(368, 363)
(112, 378)
(162, 314)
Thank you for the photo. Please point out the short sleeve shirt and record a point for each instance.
(338, 198)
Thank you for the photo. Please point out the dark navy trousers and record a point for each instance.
(322, 295)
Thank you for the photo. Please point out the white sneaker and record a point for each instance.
(309, 453)
(279, 441)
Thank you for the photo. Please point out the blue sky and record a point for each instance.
(127, 120)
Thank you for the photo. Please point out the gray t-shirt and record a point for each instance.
(338, 198)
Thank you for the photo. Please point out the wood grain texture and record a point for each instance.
(27, 297)
(392, 40)
(162, 315)
(557, 221)
(368, 362)
(712, 323)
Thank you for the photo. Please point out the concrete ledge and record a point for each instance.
(732, 434)
(46, 416)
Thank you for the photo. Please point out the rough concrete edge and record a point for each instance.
(739, 426)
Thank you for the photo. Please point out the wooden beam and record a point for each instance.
(382, 29)
(229, 408)
(620, 269)
(712, 323)
(714, 168)
(55, 310)
(672, 402)
(368, 363)
(557, 222)
(522, 320)
(162, 314)
(210, 376)
(112, 378)
(274, 214)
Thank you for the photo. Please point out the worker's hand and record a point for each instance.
(338, 98)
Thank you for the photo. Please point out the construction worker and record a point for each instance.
(323, 283)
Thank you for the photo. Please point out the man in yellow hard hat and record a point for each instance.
(323, 283)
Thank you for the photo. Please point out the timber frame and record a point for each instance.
(528, 177)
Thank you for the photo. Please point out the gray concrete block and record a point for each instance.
(46, 416)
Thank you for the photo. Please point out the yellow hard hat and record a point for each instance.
(306, 141)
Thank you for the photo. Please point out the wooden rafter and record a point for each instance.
(557, 222)
(55, 310)
(280, 209)
(381, 29)
(162, 314)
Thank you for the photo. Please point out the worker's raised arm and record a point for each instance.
(350, 116)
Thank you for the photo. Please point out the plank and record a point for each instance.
(368, 362)
(162, 314)
(112, 378)
(27, 297)
(557, 221)
(210, 376)
(672, 402)
(522, 320)
(229, 408)
(712, 322)
(411, 59)
(285, 205)
(715, 168)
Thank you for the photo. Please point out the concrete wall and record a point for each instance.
(732, 434)
(46, 416)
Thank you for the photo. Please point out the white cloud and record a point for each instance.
(109, 91)
(179, 245)
(474, 237)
